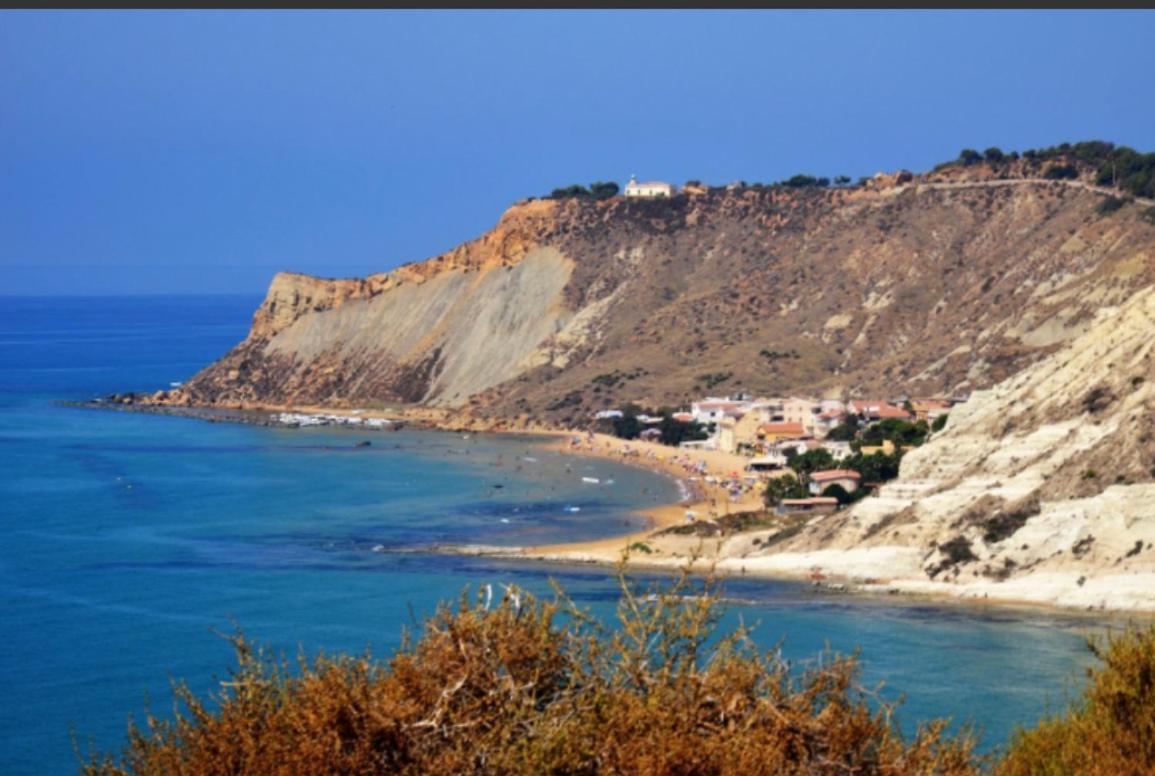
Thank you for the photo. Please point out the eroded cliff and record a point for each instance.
(908, 285)
(1041, 488)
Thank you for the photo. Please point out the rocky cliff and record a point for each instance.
(910, 284)
(1041, 488)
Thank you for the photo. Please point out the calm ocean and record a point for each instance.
(130, 541)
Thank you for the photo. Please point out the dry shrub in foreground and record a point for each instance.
(527, 686)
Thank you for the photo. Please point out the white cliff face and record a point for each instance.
(474, 328)
(1039, 489)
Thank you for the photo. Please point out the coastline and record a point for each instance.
(850, 571)
(701, 497)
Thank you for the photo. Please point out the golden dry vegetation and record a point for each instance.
(528, 686)
(522, 685)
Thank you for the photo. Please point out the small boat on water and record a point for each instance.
(593, 480)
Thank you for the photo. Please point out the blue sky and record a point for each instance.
(190, 152)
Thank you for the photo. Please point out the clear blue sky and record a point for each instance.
(159, 152)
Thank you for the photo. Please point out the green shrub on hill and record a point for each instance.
(596, 190)
(575, 190)
(898, 431)
(874, 468)
(1117, 166)
(673, 431)
(969, 156)
(1061, 172)
(844, 496)
(845, 431)
(812, 461)
(805, 181)
(779, 488)
(604, 189)
(1110, 205)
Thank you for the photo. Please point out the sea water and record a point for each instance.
(131, 543)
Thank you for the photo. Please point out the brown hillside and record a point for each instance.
(568, 306)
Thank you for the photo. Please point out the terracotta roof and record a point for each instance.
(835, 474)
(782, 428)
(879, 409)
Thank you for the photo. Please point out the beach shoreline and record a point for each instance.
(704, 499)
(853, 571)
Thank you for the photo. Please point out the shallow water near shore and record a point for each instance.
(131, 540)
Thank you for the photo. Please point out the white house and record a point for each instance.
(712, 410)
(839, 451)
(649, 189)
(772, 461)
(793, 410)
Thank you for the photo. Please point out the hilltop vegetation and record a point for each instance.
(1118, 167)
(588, 301)
(596, 190)
(524, 686)
(1102, 162)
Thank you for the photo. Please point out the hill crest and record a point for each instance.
(944, 282)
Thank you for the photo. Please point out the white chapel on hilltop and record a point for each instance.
(648, 189)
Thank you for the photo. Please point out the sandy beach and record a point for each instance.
(695, 469)
(885, 570)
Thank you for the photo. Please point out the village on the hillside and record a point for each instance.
(807, 455)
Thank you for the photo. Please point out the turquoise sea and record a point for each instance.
(131, 541)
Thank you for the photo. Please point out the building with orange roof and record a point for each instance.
(772, 433)
(847, 478)
(929, 409)
(878, 410)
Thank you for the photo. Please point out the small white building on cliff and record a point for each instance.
(650, 189)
